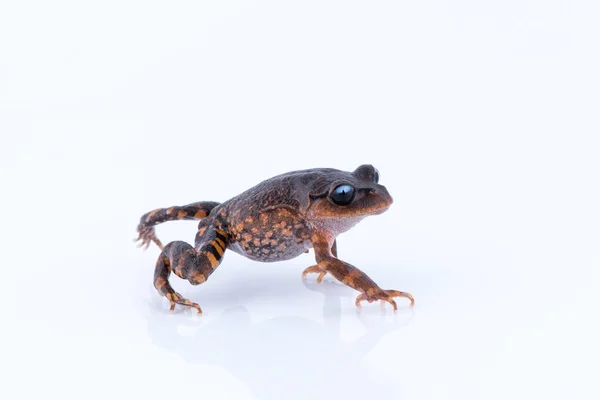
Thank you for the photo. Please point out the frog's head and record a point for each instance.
(350, 195)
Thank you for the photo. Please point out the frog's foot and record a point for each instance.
(383, 295)
(146, 236)
(176, 298)
(187, 262)
(315, 269)
(164, 287)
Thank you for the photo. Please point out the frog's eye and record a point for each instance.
(343, 195)
(376, 176)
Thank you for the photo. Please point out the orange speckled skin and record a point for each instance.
(276, 220)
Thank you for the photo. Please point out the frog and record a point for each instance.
(276, 220)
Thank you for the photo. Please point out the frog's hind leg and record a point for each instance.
(145, 228)
(194, 264)
(161, 283)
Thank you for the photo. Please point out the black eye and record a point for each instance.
(376, 176)
(342, 195)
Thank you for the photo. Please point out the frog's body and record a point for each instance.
(276, 220)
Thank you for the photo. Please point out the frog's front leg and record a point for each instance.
(350, 275)
(318, 270)
(194, 264)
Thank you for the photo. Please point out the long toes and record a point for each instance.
(194, 305)
(383, 297)
(359, 298)
(393, 303)
(141, 239)
(191, 304)
(313, 269)
(365, 297)
(185, 303)
(146, 236)
(321, 276)
(397, 293)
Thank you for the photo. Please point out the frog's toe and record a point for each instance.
(176, 298)
(384, 296)
(315, 269)
(147, 236)
(397, 293)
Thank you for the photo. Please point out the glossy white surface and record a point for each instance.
(482, 118)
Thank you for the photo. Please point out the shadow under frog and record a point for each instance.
(285, 357)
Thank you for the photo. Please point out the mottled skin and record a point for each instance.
(275, 220)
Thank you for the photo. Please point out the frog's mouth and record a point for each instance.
(363, 211)
(380, 210)
(379, 203)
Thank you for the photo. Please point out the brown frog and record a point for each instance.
(275, 220)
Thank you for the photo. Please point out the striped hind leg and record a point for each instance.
(145, 228)
(187, 262)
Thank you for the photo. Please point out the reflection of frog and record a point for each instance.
(269, 356)
(276, 220)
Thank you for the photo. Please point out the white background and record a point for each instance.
(481, 116)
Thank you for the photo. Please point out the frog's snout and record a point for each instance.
(383, 195)
(380, 200)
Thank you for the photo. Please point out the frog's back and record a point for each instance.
(289, 190)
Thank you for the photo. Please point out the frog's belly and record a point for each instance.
(272, 235)
(270, 250)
